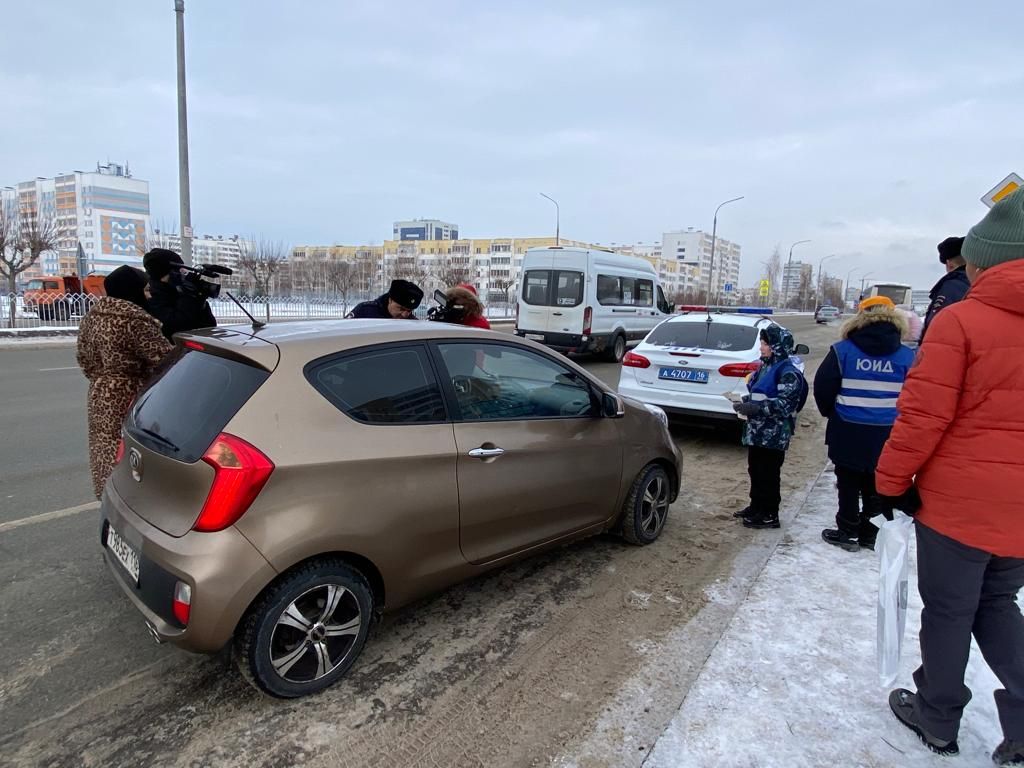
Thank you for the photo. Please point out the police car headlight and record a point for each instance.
(660, 414)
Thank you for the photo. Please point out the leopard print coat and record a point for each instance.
(119, 347)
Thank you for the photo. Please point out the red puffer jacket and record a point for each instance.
(961, 423)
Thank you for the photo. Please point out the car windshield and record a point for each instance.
(35, 285)
(724, 337)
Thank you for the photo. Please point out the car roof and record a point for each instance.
(320, 337)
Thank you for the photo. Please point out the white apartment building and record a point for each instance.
(692, 248)
(106, 210)
(225, 250)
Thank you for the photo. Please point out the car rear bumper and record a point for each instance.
(223, 569)
(712, 405)
(566, 342)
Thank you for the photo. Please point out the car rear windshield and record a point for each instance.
(193, 398)
(553, 288)
(725, 337)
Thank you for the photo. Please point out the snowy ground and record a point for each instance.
(793, 680)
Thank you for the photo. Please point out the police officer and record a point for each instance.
(398, 303)
(952, 286)
(178, 311)
(856, 388)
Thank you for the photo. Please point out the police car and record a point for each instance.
(697, 364)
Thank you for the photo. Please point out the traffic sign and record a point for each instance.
(1004, 188)
(728, 288)
(764, 288)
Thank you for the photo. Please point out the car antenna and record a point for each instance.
(256, 324)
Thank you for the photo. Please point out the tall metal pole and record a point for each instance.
(817, 290)
(864, 280)
(558, 217)
(714, 237)
(787, 271)
(183, 191)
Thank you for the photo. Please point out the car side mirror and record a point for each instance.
(612, 406)
(802, 349)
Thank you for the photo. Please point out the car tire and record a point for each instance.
(291, 643)
(615, 351)
(646, 507)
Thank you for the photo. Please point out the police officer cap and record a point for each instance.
(405, 294)
(157, 262)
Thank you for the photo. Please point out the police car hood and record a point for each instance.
(876, 339)
(1002, 287)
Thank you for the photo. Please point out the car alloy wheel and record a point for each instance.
(646, 508)
(306, 630)
(315, 633)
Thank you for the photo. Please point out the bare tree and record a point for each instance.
(342, 277)
(452, 271)
(261, 260)
(773, 268)
(806, 290)
(24, 237)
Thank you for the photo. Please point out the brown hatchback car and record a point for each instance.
(281, 487)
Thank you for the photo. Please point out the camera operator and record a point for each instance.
(399, 303)
(175, 302)
(462, 307)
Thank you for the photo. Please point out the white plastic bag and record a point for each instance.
(893, 548)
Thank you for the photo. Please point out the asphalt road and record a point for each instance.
(76, 652)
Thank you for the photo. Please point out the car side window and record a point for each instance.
(387, 385)
(499, 382)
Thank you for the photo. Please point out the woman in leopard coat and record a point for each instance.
(119, 347)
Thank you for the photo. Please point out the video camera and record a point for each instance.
(447, 311)
(192, 282)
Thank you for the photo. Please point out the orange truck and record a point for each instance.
(60, 298)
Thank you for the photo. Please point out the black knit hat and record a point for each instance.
(127, 283)
(158, 261)
(950, 248)
(405, 294)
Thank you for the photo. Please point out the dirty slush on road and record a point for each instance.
(511, 669)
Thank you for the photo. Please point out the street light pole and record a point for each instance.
(183, 192)
(817, 291)
(558, 216)
(785, 274)
(714, 235)
(863, 280)
(846, 290)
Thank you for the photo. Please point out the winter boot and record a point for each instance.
(759, 520)
(901, 702)
(1009, 753)
(839, 539)
(745, 512)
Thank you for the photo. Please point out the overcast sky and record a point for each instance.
(871, 128)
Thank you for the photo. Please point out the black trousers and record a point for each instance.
(858, 503)
(765, 468)
(967, 591)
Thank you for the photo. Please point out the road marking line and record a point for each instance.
(47, 516)
(68, 368)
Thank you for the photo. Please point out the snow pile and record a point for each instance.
(793, 681)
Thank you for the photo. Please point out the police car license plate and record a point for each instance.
(123, 553)
(694, 375)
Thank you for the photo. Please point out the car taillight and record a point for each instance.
(241, 473)
(182, 602)
(739, 370)
(120, 452)
(517, 314)
(195, 345)
(633, 360)
(588, 320)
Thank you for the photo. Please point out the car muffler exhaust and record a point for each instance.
(154, 634)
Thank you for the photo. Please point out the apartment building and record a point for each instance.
(106, 211)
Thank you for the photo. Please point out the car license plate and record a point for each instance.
(124, 553)
(694, 375)
(535, 336)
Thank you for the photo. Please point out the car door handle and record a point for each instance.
(557, 314)
(486, 453)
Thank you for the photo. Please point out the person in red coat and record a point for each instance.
(464, 295)
(959, 439)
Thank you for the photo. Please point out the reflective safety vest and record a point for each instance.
(871, 384)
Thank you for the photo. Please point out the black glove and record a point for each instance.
(908, 502)
(747, 409)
